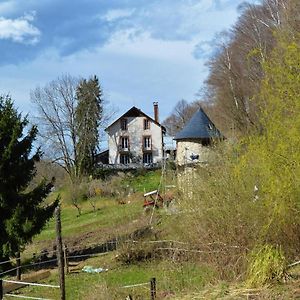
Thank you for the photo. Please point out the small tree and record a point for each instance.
(22, 213)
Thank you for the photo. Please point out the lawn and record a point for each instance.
(172, 278)
(109, 220)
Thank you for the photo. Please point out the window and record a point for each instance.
(146, 124)
(147, 158)
(124, 159)
(124, 143)
(147, 143)
(124, 124)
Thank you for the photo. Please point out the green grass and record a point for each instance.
(110, 219)
(172, 278)
(109, 213)
(147, 181)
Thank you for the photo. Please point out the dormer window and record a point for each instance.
(124, 125)
(146, 124)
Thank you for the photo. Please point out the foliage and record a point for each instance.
(88, 119)
(102, 173)
(273, 156)
(22, 212)
(267, 264)
(250, 196)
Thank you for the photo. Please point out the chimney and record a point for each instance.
(155, 106)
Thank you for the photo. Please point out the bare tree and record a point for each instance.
(236, 70)
(181, 114)
(56, 104)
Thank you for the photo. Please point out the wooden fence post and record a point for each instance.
(1, 289)
(152, 288)
(59, 251)
(18, 263)
(66, 261)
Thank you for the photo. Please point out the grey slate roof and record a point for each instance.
(199, 127)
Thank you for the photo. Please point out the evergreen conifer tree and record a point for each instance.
(88, 118)
(22, 212)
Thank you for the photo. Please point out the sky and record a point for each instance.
(141, 50)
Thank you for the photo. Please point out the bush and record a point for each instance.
(266, 265)
(220, 216)
(136, 252)
(77, 193)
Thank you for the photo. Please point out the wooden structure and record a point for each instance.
(154, 198)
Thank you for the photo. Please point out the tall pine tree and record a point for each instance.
(22, 213)
(88, 118)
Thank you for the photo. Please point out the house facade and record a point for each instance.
(136, 138)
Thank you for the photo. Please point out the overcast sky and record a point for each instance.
(141, 50)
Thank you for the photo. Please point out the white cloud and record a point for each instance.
(143, 45)
(115, 14)
(20, 30)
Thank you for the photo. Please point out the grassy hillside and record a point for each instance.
(182, 265)
(174, 276)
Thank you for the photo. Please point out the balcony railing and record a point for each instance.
(147, 148)
(123, 149)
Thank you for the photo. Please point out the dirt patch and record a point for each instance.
(103, 234)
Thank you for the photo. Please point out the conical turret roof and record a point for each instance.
(199, 127)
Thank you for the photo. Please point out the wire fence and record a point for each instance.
(25, 297)
(6, 262)
(172, 247)
(169, 246)
(4, 294)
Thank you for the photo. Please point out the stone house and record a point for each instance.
(135, 139)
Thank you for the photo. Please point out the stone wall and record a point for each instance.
(186, 149)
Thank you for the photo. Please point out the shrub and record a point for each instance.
(77, 193)
(136, 252)
(266, 265)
